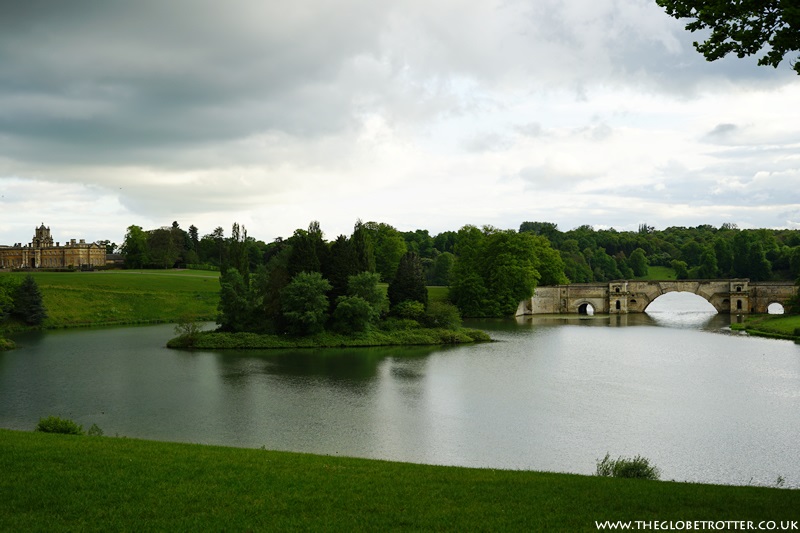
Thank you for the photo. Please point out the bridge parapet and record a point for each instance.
(728, 296)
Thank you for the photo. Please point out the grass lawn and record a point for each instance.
(126, 296)
(69, 483)
(781, 326)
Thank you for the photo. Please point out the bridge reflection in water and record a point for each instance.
(620, 297)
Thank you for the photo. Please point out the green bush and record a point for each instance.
(443, 315)
(639, 467)
(410, 309)
(53, 424)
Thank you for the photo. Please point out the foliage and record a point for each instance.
(496, 269)
(304, 304)
(235, 309)
(388, 245)
(6, 344)
(638, 263)
(188, 328)
(639, 467)
(95, 431)
(410, 310)
(353, 314)
(28, 303)
(409, 282)
(365, 286)
(8, 287)
(134, 248)
(442, 315)
(54, 424)
(681, 272)
(744, 28)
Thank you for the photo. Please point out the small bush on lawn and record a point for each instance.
(639, 467)
(53, 424)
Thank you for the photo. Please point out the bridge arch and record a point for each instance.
(667, 302)
(728, 296)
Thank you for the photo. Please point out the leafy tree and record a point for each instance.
(744, 27)
(723, 250)
(680, 268)
(342, 264)
(442, 267)
(362, 248)
(28, 304)
(707, 269)
(576, 269)
(389, 247)
(234, 302)
(409, 282)
(638, 263)
(365, 286)
(134, 248)
(7, 289)
(304, 304)
(442, 315)
(352, 314)
(162, 250)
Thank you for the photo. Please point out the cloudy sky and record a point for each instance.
(415, 113)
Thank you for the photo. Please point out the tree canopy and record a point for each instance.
(744, 27)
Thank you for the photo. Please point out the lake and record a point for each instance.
(556, 393)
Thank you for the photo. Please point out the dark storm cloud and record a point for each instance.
(84, 78)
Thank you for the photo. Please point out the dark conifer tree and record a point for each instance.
(28, 305)
(409, 282)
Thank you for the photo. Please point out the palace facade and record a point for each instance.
(41, 252)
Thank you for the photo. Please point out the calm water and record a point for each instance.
(552, 394)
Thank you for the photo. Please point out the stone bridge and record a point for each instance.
(728, 296)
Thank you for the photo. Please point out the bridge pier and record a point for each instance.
(619, 297)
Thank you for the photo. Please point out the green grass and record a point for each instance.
(438, 293)
(659, 273)
(778, 326)
(210, 340)
(125, 296)
(56, 482)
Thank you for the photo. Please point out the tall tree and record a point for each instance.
(744, 27)
(304, 303)
(408, 282)
(28, 303)
(134, 248)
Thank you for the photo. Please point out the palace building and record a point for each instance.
(43, 253)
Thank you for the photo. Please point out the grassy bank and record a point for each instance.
(210, 340)
(59, 482)
(116, 297)
(776, 326)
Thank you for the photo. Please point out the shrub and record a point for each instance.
(639, 467)
(188, 329)
(53, 424)
(95, 431)
(352, 314)
(443, 315)
(410, 309)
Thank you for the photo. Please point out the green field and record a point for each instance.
(780, 326)
(112, 297)
(68, 483)
(659, 273)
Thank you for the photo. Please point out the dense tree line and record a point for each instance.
(702, 252)
(488, 270)
(305, 284)
(174, 247)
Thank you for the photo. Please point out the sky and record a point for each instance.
(419, 114)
